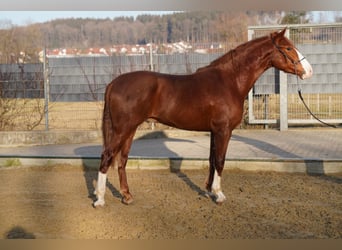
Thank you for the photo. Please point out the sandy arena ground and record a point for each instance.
(56, 202)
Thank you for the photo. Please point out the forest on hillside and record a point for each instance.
(192, 27)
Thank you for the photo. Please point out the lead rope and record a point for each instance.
(306, 106)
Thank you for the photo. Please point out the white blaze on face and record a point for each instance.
(306, 66)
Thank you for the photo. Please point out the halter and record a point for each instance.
(287, 57)
(299, 90)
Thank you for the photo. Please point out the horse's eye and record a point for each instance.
(288, 48)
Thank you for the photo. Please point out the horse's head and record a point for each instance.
(287, 58)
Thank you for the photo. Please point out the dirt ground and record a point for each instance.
(56, 202)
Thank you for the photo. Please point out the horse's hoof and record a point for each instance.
(219, 203)
(127, 201)
(220, 198)
(99, 203)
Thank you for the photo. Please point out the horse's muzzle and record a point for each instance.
(307, 70)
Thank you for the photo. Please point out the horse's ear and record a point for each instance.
(282, 33)
(278, 34)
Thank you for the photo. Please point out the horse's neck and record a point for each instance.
(248, 62)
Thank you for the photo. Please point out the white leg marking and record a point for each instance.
(216, 188)
(100, 189)
(306, 66)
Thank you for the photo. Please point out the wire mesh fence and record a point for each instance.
(74, 86)
(322, 46)
(21, 96)
(77, 84)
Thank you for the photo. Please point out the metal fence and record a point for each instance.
(77, 84)
(21, 81)
(84, 79)
(322, 46)
(74, 86)
(21, 95)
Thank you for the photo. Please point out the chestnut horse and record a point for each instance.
(211, 99)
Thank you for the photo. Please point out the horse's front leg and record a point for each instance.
(210, 178)
(218, 148)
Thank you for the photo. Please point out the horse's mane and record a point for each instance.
(227, 57)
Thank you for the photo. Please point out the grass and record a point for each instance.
(88, 115)
(12, 163)
(327, 106)
(21, 114)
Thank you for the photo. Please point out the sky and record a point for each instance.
(28, 17)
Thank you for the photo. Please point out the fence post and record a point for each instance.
(250, 93)
(46, 91)
(151, 58)
(283, 121)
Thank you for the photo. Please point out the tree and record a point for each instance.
(338, 16)
(295, 17)
(169, 31)
(18, 108)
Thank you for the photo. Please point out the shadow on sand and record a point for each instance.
(18, 232)
(160, 140)
(314, 167)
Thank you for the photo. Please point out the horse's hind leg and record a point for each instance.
(124, 189)
(110, 149)
(116, 151)
(107, 158)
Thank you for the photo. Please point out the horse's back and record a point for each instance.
(133, 80)
(150, 86)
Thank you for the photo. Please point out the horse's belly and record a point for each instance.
(184, 119)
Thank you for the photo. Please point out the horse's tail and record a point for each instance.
(107, 132)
